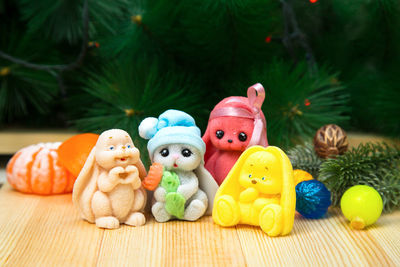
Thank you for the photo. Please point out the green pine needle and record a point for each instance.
(303, 157)
(376, 165)
(125, 94)
(24, 90)
(62, 20)
(296, 103)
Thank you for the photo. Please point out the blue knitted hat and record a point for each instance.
(171, 127)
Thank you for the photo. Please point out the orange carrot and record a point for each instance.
(153, 178)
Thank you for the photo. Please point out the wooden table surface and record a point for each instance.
(47, 231)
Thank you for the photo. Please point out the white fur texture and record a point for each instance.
(108, 189)
(175, 157)
(196, 200)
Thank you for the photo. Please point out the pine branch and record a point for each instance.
(296, 103)
(376, 165)
(52, 69)
(127, 92)
(30, 65)
(303, 157)
(292, 32)
(23, 90)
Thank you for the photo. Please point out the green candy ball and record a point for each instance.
(361, 205)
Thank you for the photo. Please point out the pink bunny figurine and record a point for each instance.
(235, 124)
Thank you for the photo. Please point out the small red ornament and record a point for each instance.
(268, 39)
(307, 102)
(93, 44)
(313, 1)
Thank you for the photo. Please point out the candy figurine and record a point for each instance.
(259, 190)
(235, 124)
(184, 188)
(361, 205)
(108, 190)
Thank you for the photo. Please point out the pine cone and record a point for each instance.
(330, 141)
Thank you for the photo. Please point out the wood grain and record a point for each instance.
(47, 231)
(171, 244)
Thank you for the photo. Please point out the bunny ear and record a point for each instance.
(210, 149)
(141, 168)
(142, 174)
(208, 185)
(288, 195)
(85, 186)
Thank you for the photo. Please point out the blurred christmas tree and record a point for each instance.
(102, 64)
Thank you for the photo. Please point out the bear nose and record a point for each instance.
(230, 141)
(253, 181)
(123, 147)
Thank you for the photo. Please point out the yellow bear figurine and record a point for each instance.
(259, 190)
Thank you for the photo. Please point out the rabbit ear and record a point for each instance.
(208, 185)
(288, 194)
(210, 149)
(141, 168)
(85, 186)
(142, 174)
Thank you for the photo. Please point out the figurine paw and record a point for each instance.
(195, 210)
(108, 222)
(116, 171)
(159, 212)
(226, 211)
(131, 177)
(136, 219)
(271, 219)
(160, 194)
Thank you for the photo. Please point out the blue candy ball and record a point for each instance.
(312, 199)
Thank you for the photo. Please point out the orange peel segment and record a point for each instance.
(72, 154)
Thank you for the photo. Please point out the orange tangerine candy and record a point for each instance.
(73, 153)
(301, 176)
(36, 170)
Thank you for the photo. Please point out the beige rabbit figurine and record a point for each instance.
(108, 190)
